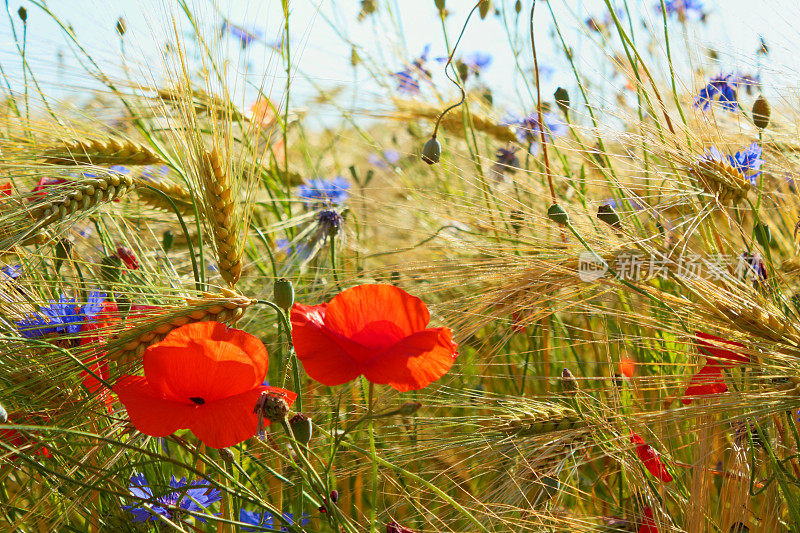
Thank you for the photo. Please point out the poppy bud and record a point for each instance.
(439, 4)
(167, 240)
(128, 257)
(568, 382)
(283, 294)
(334, 496)
(3, 415)
(23, 14)
(518, 6)
(431, 151)
(409, 408)
(394, 527)
(63, 251)
(484, 8)
(272, 407)
(226, 455)
(354, 58)
(110, 268)
(562, 99)
(557, 214)
(607, 214)
(301, 428)
(121, 26)
(761, 112)
(763, 234)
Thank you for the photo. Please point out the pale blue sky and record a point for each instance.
(318, 40)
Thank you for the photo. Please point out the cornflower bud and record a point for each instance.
(23, 14)
(272, 407)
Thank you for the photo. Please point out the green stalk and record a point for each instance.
(374, 479)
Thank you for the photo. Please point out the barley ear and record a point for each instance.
(221, 211)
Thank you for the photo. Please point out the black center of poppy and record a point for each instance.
(198, 400)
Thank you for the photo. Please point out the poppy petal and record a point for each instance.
(416, 361)
(231, 420)
(709, 346)
(648, 524)
(148, 411)
(323, 359)
(205, 360)
(354, 312)
(650, 459)
(707, 381)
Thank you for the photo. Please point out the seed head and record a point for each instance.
(607, 214)
(23, 14)
(562, 99)
(568, 382)
(557, 214)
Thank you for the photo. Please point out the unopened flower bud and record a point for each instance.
(110, 268)
(63, 251)
(226, 455)
(121, 27)
(568, 382)
(439, 4)
(484, 8)
(409, 408)
(394, 527)
(607, 214)
(557, 214)
(128, 257)
(761, 112)
(23, 14)
(763, 234)
(301, 428)
(272, 407)
(431, 151)
(283, 294)
(518, 6)
(562, 99)
(167, 240)
(334, 496)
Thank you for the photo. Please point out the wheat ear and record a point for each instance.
(226, 307)
(109, 152)
(179, 194)
(221, 207)
(721, 180)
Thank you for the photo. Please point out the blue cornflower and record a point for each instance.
(720, 89)
(245, 37)
(408, 79)
(681, 8)
(12, 271)
(62, 317)
(528, 128)
(327, 192)
(266, 520)
(328, 223)
(384, 159)
(170, 505)
(747, 161)
(477, 61)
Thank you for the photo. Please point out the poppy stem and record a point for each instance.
(374, 481)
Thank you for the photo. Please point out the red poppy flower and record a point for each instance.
(708, 381)
(709, 345)
(128, 257)
(378, 331)
(5, 189)
(18, 439)
(627, 367)
(648, 524)
(204, 377)
(650, 459)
